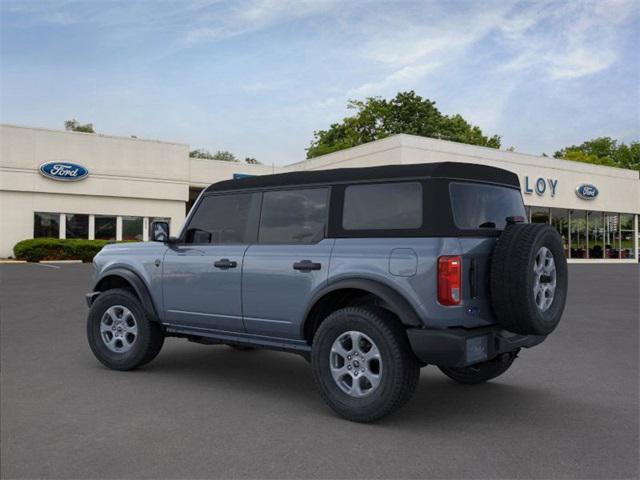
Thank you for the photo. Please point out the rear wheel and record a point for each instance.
(363, 364)
(120, 334)
(481, 372)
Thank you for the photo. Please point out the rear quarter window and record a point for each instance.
(477, 206)
(383, 206)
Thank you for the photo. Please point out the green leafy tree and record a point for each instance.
(223, 155)
(75, 126)
(252, 161)
(604, 151)
(377, 118)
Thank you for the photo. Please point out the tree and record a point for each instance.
(75, 126)
(377, 118)
(252, 161)
(604, 151)
(223, 155)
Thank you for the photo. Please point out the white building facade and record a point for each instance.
(129, 182)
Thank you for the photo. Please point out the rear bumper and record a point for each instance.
(459, 347)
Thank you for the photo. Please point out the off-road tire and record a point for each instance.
(480, 372)
(512, 279)
(149, 340)
(400, 373)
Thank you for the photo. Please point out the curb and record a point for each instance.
(60, 261)
(8, 261)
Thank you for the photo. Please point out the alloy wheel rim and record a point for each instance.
(118, 329)
(544, 280)
(356, 364)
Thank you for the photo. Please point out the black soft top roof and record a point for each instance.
(452, 170)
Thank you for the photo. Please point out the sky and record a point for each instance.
(258, 77)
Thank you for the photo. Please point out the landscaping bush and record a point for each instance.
(37, 249)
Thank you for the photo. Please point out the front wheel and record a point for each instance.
(119, 333)
(363, 364)
(481, 372)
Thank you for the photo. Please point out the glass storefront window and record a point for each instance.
(46, 225)
(539, 215)
(626, 236)
(105, 227)
(578, 226)
(77, 226)
(611, 235)
(560, 221)
(596, 234)
(132, 228)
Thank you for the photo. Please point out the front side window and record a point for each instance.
(478, 206)
(383, 206)
(46, 225)
(224, 219)
(294, 216)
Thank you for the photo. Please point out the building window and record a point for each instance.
(626, 236)
(132, 228)
(77, 226)
(539, 215)
(560, 221)
(596, 234)
(105, 227)
(46, 225)
(611, 235)
(578, 236)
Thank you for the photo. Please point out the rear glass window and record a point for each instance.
(383, 206)
(484, 206)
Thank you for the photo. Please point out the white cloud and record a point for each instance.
(400, 79)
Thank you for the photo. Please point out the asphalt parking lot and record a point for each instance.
(566, 409)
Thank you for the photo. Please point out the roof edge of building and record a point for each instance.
(118, 137)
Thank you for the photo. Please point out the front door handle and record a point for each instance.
(306, 265)
(225, 263)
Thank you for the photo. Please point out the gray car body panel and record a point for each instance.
(264, 297)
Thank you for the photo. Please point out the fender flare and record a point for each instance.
(397, 303)
(138, 285)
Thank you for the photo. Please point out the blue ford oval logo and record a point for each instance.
(586, 191)
(64, 171)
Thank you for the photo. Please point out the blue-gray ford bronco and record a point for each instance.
(369, 273)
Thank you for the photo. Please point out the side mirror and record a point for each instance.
(159, 232)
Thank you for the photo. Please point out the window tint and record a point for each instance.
(224, 219)
(484, 206)
(293, 216)
(383, 206)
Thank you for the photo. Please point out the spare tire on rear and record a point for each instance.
(528, 279)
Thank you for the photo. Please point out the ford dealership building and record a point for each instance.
(78, 185)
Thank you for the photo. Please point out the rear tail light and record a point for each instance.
(449, 280)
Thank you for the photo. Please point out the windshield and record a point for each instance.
(484, 206)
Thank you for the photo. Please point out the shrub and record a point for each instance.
(36, 249)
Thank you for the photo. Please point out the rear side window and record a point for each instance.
(222, 219)
(293, 216)
(383, 206)
(477, 206)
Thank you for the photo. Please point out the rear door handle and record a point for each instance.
(306, 265)
(225, 263)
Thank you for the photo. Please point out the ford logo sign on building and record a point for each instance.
(586, 191)
(63, 171)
